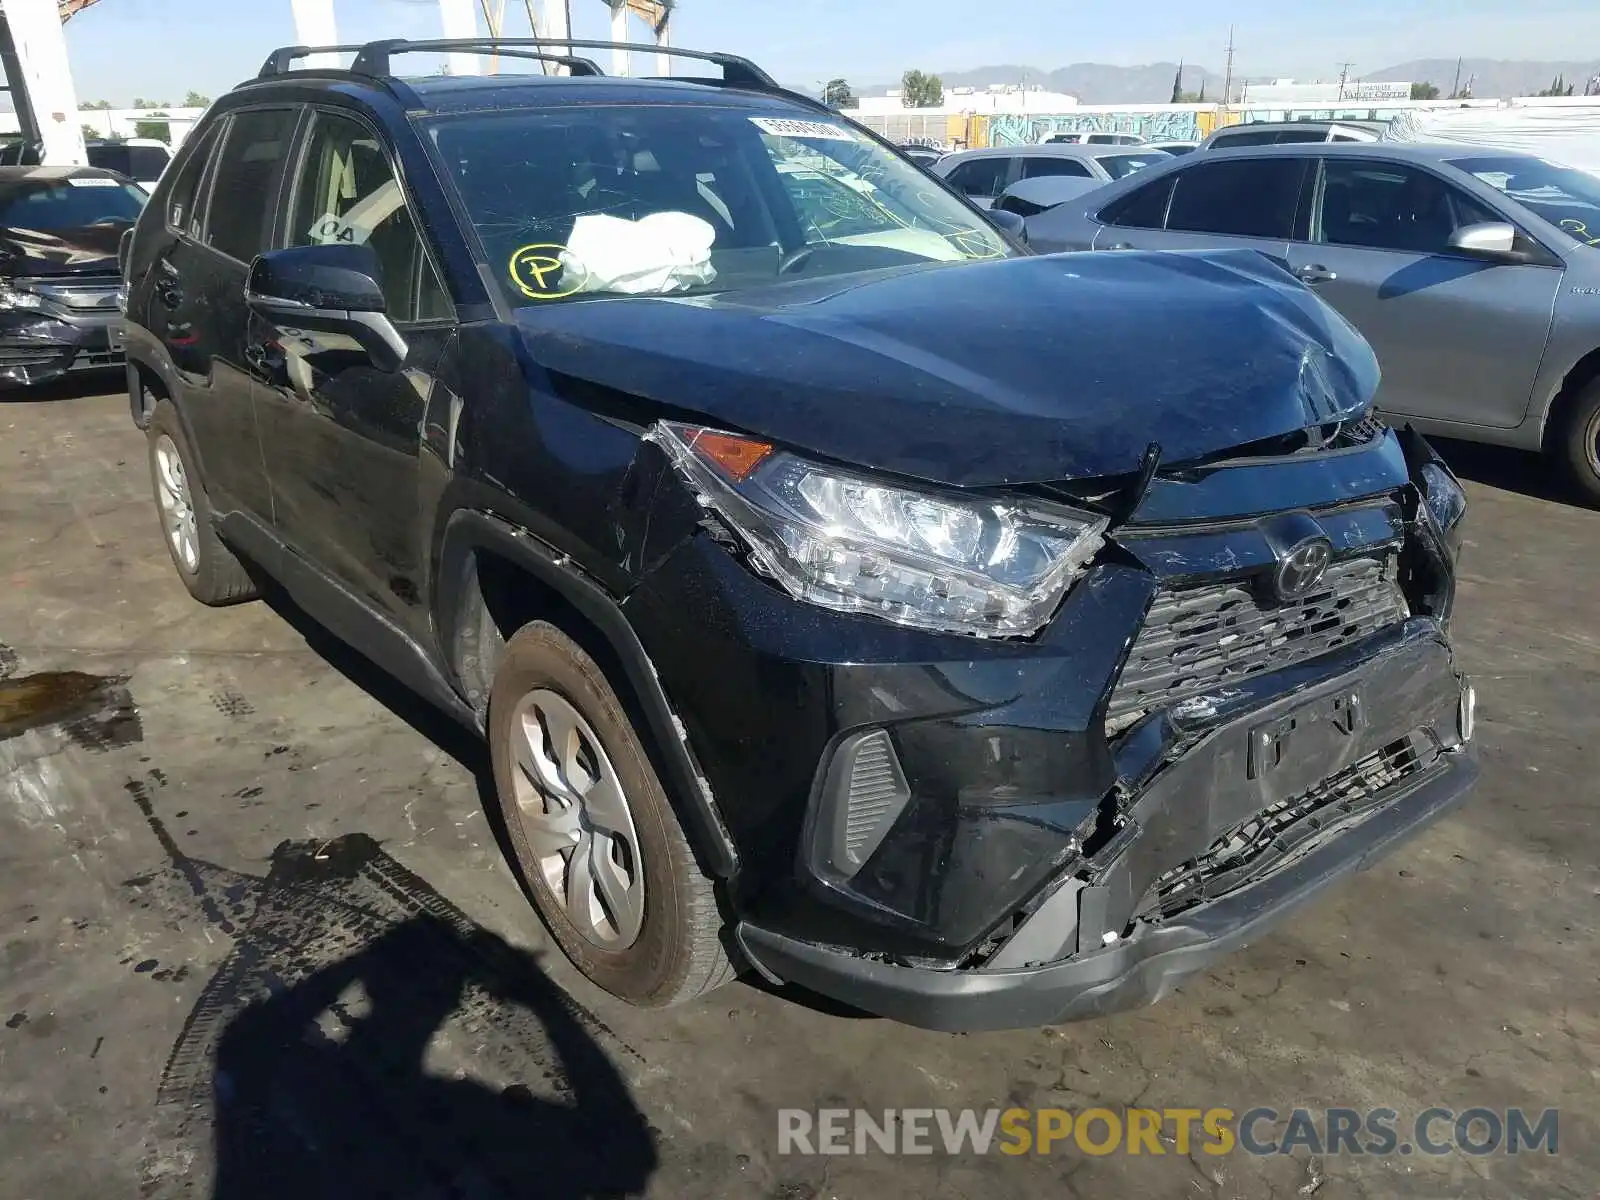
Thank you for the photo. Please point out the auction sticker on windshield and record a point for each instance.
(784, 127)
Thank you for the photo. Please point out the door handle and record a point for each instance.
(1314, 273)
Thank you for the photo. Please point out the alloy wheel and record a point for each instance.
(177, 506)
(576, 817)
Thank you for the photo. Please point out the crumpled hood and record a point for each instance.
(39, 252)
(1016, 371)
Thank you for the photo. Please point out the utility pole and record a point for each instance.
(1227, 74)
(1455, 88)
(1344, 77)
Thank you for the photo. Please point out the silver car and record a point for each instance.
(1473, 272)
(984, 175)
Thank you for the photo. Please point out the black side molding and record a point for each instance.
(468, 530)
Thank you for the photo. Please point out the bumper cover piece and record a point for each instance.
(1135, 971)
(1091, 950)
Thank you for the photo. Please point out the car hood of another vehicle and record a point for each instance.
(38, 252)
(1023, 370)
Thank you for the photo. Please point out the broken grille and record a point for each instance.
(1248, 850)
(1197, 640)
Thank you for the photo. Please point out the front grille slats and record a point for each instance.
(1201, 638)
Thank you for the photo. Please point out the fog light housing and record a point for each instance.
(1467, 718)
(862, 796)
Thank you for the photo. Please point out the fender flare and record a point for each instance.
(468, 530)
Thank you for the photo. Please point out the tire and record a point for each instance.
(207, 567)
(658, 947)
(1579, 445)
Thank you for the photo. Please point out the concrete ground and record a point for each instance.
(256, 937)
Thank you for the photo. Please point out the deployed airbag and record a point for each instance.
(655, 255)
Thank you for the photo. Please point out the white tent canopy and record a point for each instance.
(1568, 134)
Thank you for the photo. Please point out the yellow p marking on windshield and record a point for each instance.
(532, 265)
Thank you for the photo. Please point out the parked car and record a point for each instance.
(1474, 273)
(1088, 138)
(1279, 133)
(139, 159)
(983, 175)
(59, 228)
(863, 614)
(923, 156)
(1030, 197)
(1174, 147)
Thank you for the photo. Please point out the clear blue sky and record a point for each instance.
(162, 48)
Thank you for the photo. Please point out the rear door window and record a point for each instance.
(1258, 137)
(985, 177)
(1041, 167)
(1252, 197)
(245, 188)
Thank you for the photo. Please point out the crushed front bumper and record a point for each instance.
(40, 347)
(1170, 892)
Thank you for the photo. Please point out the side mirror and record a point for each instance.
(1487, 239)
(1007, 222)
(328, 289)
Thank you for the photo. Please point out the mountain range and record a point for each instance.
(1100, 83)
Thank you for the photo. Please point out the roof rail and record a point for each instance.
(373, 58)
(282, 59)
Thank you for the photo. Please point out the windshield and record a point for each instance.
(636, 200)
(1118, 165)
(136, 162)
(1567, 198)
(74, 203)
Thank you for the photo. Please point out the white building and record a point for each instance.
(1286, 93)
(998, 98)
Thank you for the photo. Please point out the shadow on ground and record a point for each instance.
(1510, 470)
(76, 386)
(365, 1038)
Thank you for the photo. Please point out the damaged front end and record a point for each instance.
(1247, 693)
(51, 327)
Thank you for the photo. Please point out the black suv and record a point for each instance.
(844, 594)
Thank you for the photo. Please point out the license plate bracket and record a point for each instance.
(1314, 735)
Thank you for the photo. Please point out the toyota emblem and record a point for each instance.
(1301, 568)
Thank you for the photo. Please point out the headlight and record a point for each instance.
(849, 542)
(1445, 500)
(14, 297)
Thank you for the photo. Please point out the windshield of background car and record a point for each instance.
(672, 200)
(1118, 165)
(75, 203)
(1569, 199)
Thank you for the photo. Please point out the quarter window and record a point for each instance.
(984, 177)
(1250, 197)
(1389, 206)
(1142, 208)
(185, 207)
(347, 194)
(248, 170)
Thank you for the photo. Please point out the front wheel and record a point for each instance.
(597, 843)
(1579, 445)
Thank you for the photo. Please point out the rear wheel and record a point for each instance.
(207, 567)
(596, 840)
